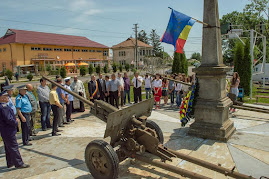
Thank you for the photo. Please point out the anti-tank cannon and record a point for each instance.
(132, 135)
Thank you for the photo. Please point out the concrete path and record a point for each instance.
(63, 156)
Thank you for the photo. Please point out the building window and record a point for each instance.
(67, 49)
(92, 50)
(33, 48)
(122, 53)
(76, 50)
(99, 51)
(47, 49)
(4, 49)
(84, 50)
(58, 49)
(143, 52)
(105, 53)
(0, 50)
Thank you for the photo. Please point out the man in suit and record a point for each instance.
(93, 89)
(102, 87)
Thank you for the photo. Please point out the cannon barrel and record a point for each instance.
(71, 92)
(184, 83)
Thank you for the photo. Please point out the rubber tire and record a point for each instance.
(110, 155)
(158, 130)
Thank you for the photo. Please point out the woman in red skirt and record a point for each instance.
(157, 90)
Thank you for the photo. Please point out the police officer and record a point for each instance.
(8, 130)
(10, 103)
(24, 108)
(34, 105)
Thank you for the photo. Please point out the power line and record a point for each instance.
(51, 25)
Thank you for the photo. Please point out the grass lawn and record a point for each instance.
(246, 99)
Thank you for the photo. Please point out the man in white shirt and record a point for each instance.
(147, 80)
(137, 82)
(122, 88)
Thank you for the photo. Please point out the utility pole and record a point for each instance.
(252, 59)
(136, 60)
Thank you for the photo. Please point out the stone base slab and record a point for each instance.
(212, 131)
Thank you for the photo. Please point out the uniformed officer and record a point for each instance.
(8, 130)
(24, 108)
(10, 103)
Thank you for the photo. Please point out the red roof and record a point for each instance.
(32, 37)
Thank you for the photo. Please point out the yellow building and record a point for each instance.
(29, 51)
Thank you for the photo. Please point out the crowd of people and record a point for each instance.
(112, 89)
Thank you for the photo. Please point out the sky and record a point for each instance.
(108, 22)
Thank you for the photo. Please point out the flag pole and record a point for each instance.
(201, 22)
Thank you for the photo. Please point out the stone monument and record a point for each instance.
(212, 108)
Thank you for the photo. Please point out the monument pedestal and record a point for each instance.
(212, 107)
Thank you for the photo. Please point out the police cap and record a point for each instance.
(9, 87)
(22, 87)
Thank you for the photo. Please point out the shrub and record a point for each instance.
(98, 69)
(63, 72)
(91, 69)
(127, 67)
(114, 67)
(106, 68)
(82, 71)
(120, 68)
(30, 76)
(48, 68)
(9, 74)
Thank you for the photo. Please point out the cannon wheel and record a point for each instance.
(101, 160)
(158, 130)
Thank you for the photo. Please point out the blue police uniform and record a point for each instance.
(11, 104)
(23, 103)
(8, 129)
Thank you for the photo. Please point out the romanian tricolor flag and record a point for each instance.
(177, 30)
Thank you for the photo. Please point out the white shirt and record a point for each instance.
(178, 86)
(139, 84)
(185, 88)
(147, 82)
(157, 83)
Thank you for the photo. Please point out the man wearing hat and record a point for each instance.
(24, 108)
(69, 98)
(8, 130)
(9, 90)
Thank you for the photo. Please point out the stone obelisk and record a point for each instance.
(212, 108)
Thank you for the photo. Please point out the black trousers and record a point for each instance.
(13, 156)
(107, 99)
(56, 116)
(68, 111)
(114, 98)
(102, 96)
(25, 128)
(137, 94)
(121, 98)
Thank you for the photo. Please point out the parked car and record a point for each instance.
(168, 71)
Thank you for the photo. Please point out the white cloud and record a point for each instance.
(81, 4)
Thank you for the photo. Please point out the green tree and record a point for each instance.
(106, 68)
(48, 68)
(91, 69)
(127, 67)
(63, 72)
(98, 69)
(9, 74)
(197, 56)
(120, 67)
(176, 63)
(114, 67)
(155, 42)
(245, 69)
(82, 71)
(142, 36)
(238, 57)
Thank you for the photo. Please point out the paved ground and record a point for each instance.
(63, 156)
